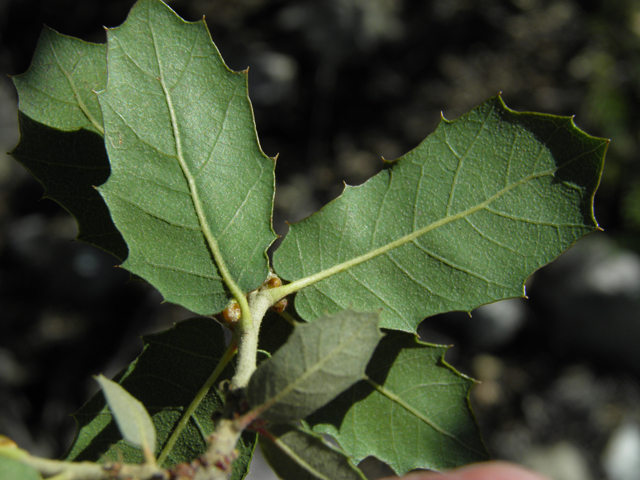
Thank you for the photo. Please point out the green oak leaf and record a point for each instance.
(318, 362)
(190, 189)
(411, 412)
(298, 454)
(132, 417)
(166, 377)
(58, 89)
(61, 140)
(460, 221)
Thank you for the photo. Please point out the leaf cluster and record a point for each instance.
(149, 142)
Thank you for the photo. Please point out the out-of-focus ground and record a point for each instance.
(336, 84)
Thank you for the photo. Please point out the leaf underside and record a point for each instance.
(188, 180)
(318, 362)
(60, 125)
(460, 221)
(298, 454)
(413, 412)
(10, 469)
(167, 375)
(130, 415)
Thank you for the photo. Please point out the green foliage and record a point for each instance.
(410, 412)
(132, 418)
(166, 378)
(460, 221)
(294, 452)
(205, 194)
(319, 361)
(61, 132)
(11, 468)
(186, 198)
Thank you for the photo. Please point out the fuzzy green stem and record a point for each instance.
(61, 470)
(259, 302)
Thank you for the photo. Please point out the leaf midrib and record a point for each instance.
(191, 182)
(315, 368)
(299, 284)
(399, 401)
(298, 459)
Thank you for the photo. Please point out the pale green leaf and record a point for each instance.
(411, 412)
(166, 377)
(11, 469)
(460, 221)
(132, 418)
(298, 454)
(190, 189)
(60, 132)
(318, 362)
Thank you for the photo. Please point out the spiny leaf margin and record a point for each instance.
(460, 221)
(190, 189)
(61, 141)
(411, 412)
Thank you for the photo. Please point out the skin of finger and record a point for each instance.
(481, 471)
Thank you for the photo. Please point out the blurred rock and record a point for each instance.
(562, 461)
(621, 457)
(495, 325)
(589, 302)
(272, 76)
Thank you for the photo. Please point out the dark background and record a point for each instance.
(336, 84)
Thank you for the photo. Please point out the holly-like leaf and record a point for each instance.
(166, 377)
(460, 221)
(58, 89)
(190, 189)
(61, 140)
(318, 362)
(411, 412)
(132, 418)
(298, 454)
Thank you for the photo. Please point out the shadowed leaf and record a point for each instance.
(167, 375)
(298, 454)
(412, 411)
(318, 362)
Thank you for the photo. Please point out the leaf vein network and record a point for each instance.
(409, 275)
(180, 270)
(490, 239)
(461, 159)
(218, 135)
(375, 294)
(76, 94)
(531, 221)
(459, 268)
(239, 209)
(128, 200)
